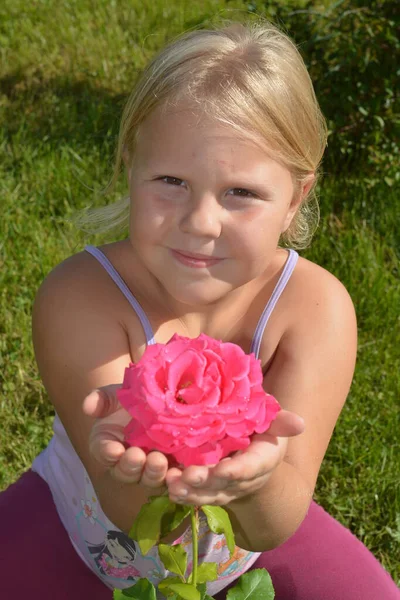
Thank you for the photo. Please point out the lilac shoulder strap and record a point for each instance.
(280, 286)
(103, 260)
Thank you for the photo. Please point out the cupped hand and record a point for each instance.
(107, 446)
(239, 475)
(236, 476)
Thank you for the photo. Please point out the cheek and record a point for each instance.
(259, 230)
(147, 217)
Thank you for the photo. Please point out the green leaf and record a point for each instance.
(172, 520)
(202, 589)
(254, 585)
(147, 526)
(218, 522)
(163, 586)
(174, 586)
(183, 590)
(207, 571)
(141, 590)
(174, 558)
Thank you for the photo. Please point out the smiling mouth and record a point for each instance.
(195, 260)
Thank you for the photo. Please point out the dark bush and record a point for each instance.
(352, 50)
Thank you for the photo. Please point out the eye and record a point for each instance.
(171, 180)
(243, 193)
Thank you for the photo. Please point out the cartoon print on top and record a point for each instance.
(112, 551)
(115, 555)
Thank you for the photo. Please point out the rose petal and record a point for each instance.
(188, 367)
(229, 445)
(191, 395)
(208, 454)
(238, 430)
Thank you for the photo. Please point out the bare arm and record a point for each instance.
(80, 345)
(273, 481)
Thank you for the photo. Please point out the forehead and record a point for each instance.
(188, 143)
(182, 129)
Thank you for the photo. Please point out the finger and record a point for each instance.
(102, 401)
(107, 452)
(286, 424)
(130, 466)
(155, 470)
(107, 446)
(183, 494)
(196, 476)
(173, 476)
(202, 497)
(259, 458)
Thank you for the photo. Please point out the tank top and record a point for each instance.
(106, 550)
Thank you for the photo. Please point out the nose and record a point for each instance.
(202, 216)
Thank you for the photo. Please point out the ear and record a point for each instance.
(299, 195)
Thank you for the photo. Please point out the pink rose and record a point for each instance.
(195, 399)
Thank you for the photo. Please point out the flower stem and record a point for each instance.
(194, 518)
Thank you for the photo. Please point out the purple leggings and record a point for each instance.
(322, 561)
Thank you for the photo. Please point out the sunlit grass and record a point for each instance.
(65, 71)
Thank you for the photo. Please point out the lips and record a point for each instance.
(198, 256)
(192, 259)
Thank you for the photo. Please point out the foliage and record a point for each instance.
(254, 585)
(352, 51)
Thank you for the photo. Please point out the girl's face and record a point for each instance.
(207, 206)
(118, 552)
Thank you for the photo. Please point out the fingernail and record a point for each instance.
(134, 470)
(182, 493)
(154, 470)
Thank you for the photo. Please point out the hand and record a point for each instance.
(234, 477)
(106, 443)
(243, 473)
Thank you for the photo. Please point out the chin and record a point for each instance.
(207, 295)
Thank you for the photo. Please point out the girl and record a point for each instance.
(221, 141)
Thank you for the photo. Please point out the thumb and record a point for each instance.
(102, 401)
(286, 424)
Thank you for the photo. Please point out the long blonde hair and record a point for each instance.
(248, 76)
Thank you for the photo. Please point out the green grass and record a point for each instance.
(65, 70)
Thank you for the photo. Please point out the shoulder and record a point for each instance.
(318, 313)
(79, 320)
(74, 307)
(78, 277)
(319, 300)
(81, 288)
(317, 333)
(317, 290)
(314, 308)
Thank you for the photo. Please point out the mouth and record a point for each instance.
(195, 260)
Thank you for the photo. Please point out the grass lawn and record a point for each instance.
(66, 68)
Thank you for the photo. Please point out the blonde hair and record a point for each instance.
(248, 76)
